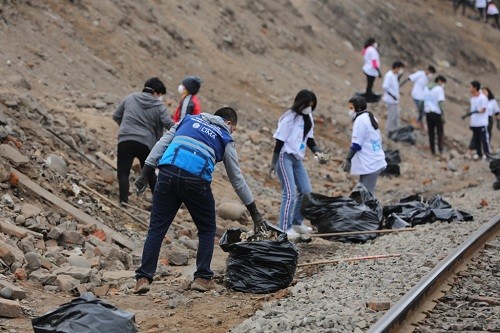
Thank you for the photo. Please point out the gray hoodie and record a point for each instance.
(230, 158)
(142, 118)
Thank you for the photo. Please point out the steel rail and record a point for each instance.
(394, 319)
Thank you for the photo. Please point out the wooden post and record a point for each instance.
(77, 213)
(331, 261)
(144, 223)
(348, 233)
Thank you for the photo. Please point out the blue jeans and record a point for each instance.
(174, 187)
(294, 184)
(420, 109)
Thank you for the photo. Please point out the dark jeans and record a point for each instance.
(370, 80)
(435, 125)
(480, 138)
(490, 126)
(173, 188)
(127, 151)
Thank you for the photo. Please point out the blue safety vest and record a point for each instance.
(196, 147)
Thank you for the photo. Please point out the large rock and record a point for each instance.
(10, 254)
(13, 155)
(231, 210)
(79, 273)
(57, 164)
(29, 210)
(79, 261)
(66, 282)
(33, 261)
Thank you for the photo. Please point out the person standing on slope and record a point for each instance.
(293, 135)
(391, 96)
(434, 109)
(189, 104)
(142, 117)
(365, 157)
(420, 79)
(371, 67)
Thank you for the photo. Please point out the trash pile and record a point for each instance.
(258, 265)
(362, 212)
(416, 210)
(403, 134)
(359, 212)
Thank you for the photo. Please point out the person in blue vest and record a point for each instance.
(186, 157)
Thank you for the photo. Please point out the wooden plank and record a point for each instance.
(144, 223)
(77, 213)
(88, 158)
(106, 159)
(333, 261)
(348, 233)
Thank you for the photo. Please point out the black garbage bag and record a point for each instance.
(393, 221)
(392, 159)
(416, 210)
(85, 314)
(495, 169)
(359, 212)
(403, 134)
(259, 266)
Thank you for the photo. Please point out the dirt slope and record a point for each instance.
(77, 59)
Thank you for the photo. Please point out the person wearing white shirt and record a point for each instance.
(293, 135)
(492, 11)
(434, 109)
(481, 6)
(493, 111)
(420, 79)
(478, 121)
(371, 67)
(365, 157)
(391, 96)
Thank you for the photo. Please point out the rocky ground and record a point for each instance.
(66, 65)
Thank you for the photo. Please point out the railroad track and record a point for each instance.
(405, 315)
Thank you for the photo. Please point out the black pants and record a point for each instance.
(127, 151)
(490, 126)
(495, 18)
(370, 80)
(435, 126)
(480, 139)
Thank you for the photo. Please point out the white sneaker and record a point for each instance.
(303, 229)
(291, 234)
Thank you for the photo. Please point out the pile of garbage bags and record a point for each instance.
(362, 212)
(262, 266)
(359, 212)
(416, 210)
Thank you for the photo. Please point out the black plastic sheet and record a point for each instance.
(392, 159)
(85, 314)
(360, 212)
(260, 266)
(403, 134)
(416, 210)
